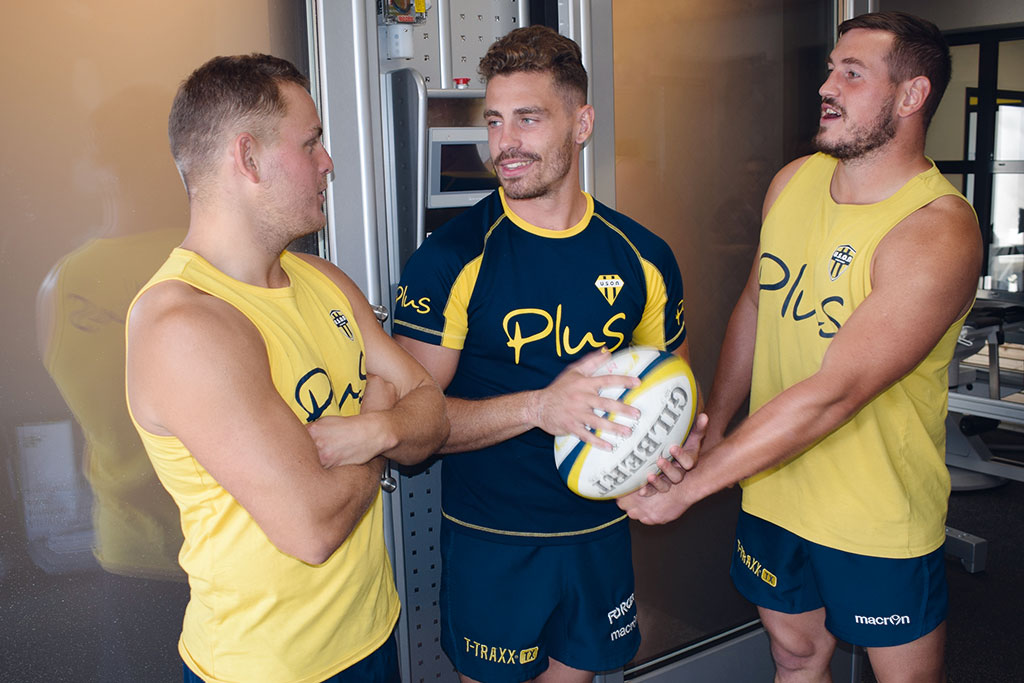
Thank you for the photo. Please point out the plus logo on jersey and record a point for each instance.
(341, 322)
(775, 275)
(609, 286)
(841, 258)
(421, 305)
(314, 393)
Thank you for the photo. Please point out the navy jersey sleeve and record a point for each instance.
(438, 280)
(662, 324)
(669, 310)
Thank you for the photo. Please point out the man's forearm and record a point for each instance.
(419, 425)
(780, 429)
(485, 422)
(325, 511)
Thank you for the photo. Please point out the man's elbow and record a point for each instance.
(430, 434)
(845, 405)
(441, 429)
(431, 442)
(313, 549)
(314, 541)
(316, 554)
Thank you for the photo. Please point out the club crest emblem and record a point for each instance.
(609, 286)
(342, 323)
(841, 258)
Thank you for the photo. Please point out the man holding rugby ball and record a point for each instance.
(867, 266)
(506, 306)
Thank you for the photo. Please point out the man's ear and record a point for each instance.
(584, 123)
(915, 94)
(244, 153)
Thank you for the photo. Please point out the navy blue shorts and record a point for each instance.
(506, 608)
(868, 601)
(380, 666)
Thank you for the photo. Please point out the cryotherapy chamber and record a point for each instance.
(695, 110)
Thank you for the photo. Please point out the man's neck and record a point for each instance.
(557, 210)
(231, 245)
(877, 175)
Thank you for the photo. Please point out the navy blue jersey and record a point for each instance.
(520, 303)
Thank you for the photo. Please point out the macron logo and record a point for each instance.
(894, 620)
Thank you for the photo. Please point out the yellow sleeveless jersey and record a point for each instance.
(878, 484)
(135, 521)
(255, 613)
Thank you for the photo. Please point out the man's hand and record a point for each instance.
(379, 394)
(684, 459)
(351, 440)
(659, 502)
(568, 404)
(660, 509)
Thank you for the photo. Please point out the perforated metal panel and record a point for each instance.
(455, 36)
(416, 513)
(449, 44)
(427, 46)
(474, 26)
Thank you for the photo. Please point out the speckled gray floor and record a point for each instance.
(96, 627)
(87, 626)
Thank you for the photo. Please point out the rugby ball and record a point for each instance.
(666, 398)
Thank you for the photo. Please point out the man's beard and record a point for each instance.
(526, 188)
(864, 140)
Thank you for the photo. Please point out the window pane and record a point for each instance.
(1009, 144)
(1011, 65)
(1007, 254)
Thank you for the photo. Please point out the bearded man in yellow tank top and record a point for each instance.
(867, 266)
(268, 396)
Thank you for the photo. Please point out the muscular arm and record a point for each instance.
(912, 304)
(197, 369)
(410, 428)
(563, 407)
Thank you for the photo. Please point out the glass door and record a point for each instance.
(90, 584)
(710, 101)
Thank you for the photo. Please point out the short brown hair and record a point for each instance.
(223, 94)
(539, 49)
(918, 49)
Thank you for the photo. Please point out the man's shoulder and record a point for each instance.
(174, 307)
(817, 160)
(311, 263)
(938, 207)
(648, 242)
(179, 334)
(473, 224)
(948, 215)
(782, 178)
(459, 240)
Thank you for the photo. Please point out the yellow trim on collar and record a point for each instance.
(544, 232)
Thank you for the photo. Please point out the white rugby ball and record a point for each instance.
(666, 398)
